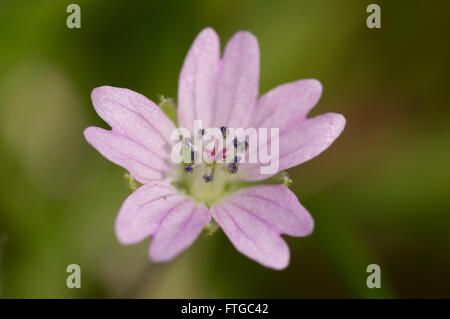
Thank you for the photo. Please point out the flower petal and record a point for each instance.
(144, 210)
(254, 218)
(286, 104)
(178, 231)
(300, 143)
(237, 85)
(197, 83)
(277, 206)
(142, 163)
(134, 116)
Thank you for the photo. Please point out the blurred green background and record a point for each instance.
(379, 195)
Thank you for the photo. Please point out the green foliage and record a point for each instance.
(378, 195)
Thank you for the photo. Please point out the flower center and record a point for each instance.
(223, 151)
(212, 166)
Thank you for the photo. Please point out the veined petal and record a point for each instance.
(277, 206)
(133, 115)
(254, 232)
(178, 231)
(286, 104)
(197, 83)
(145, 209)
(237, 85)
(140, 161)
(300, 143)
(309, 139)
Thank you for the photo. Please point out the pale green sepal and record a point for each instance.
(169, 108)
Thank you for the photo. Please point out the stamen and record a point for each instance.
(189, 169)
(235, 142)
(243, 146)
(240, 146)
(207, 178)
(187, 141)
(194, 156)
(233, 168)
(224, 131)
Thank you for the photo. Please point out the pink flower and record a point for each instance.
(222, 92)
